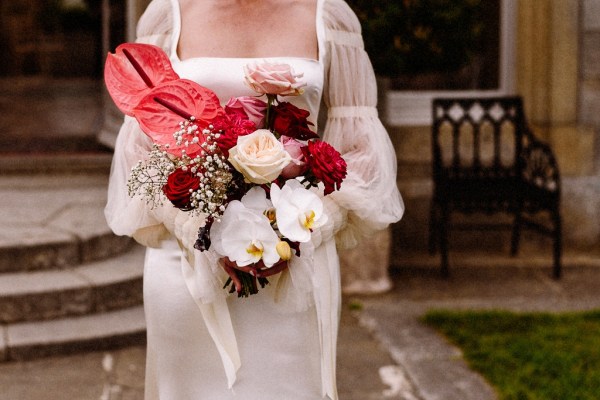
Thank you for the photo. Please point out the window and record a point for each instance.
(51, 38)
(429, 48)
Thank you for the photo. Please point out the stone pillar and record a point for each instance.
(364, 269)
(589, 96)
(549, 66)
(127, 15)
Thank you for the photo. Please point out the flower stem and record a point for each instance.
(249, 284)
(270, 100)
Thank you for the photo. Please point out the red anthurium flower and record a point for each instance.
(162, 110)
(132, 72)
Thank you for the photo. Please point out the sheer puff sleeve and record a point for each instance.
(127, 215)
(369, 193)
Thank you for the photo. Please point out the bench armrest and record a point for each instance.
(540, 168)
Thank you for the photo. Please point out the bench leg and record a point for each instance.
(433, 227)
(516, 233)
(557, 239)
(443, 237)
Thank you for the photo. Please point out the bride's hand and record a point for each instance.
(258, 270)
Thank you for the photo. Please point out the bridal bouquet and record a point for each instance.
(253, 169)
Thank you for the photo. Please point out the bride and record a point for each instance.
(219, 347)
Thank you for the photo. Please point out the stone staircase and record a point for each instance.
(67, 284)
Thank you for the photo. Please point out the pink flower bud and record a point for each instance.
(251, 108)
(297, 166)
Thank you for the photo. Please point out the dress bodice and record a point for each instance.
(225, 76)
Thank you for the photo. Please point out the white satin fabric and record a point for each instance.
(280, 351)
(274, 345)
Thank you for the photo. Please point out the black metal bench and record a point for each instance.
(486, 160)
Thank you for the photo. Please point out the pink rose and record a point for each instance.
(269, 78)
(252, 108)
(297, 166)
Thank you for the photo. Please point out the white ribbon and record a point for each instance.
(328, 302)
(218, 322)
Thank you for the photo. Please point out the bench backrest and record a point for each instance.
(477, 138)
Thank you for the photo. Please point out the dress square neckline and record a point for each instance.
(319, 32)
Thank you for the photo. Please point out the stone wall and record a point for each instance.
(582, 190)
(558, 75)
(589, 111)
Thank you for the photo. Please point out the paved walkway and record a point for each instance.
(383, 342)
(384, 352)
(435, 370)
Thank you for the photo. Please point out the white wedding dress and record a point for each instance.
(203, 345)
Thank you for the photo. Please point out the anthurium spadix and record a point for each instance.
(245, 236)
(133, 70)
(297, 210)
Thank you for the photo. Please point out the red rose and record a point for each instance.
(291, 121)
(179, 187)
(326, 164)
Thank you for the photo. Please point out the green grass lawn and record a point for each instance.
(528, 356)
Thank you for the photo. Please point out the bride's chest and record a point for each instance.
(279, 28)
(225, 76)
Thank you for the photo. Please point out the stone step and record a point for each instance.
(61, 250)
(53, 163)
(96, 332)
(91, 288)
(53, 144)
(55, 222)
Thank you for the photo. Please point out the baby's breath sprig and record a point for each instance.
(215, 176)
(209, 164)
(148, 177)
(187, 133)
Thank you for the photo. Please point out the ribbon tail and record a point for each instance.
(328, 303)
(218, 322)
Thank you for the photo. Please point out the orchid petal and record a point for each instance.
(294, 207)
(256, 199)
(238, 230)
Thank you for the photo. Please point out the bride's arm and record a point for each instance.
(369, 193)
(127, 215)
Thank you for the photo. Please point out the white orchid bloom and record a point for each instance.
(298, 210)
(245, 236)
(256, 200)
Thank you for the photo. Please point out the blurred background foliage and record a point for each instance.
(406, 38)
(70, 15)
(51, 38)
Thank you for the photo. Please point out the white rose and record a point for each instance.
(259, 156)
